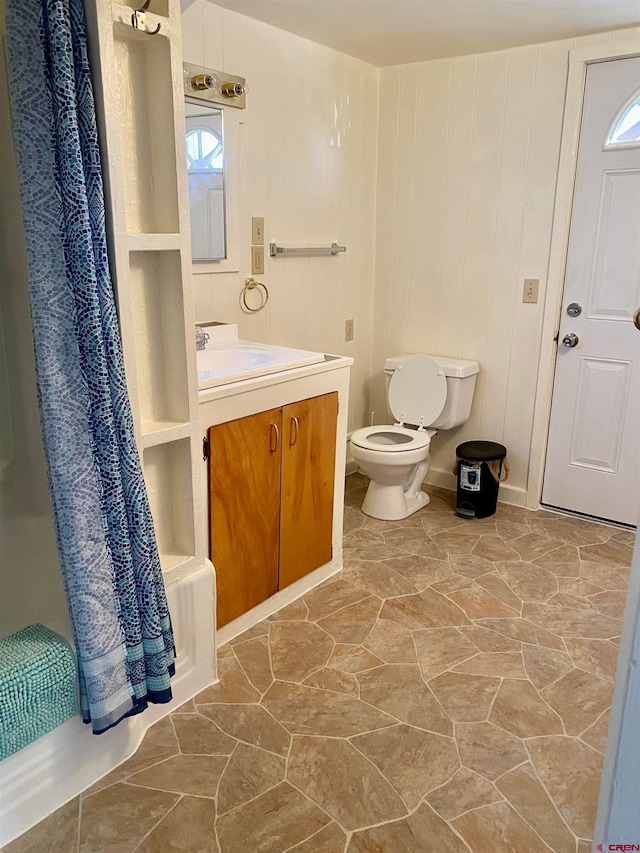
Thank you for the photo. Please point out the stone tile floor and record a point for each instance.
(448, 691)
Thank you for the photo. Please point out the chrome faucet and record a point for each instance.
(202, 338)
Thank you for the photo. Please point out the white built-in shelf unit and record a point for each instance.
(139, 93)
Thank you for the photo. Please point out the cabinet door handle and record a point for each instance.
(273, 444)
(295, 431)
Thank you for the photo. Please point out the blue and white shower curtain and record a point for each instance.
(105, 532)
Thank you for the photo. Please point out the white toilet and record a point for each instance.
(425, 394)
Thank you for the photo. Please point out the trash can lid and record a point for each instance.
(481, 451)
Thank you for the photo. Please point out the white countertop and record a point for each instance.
(241, 386)
(228, 365)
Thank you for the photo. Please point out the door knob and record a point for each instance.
(636, 319)
(570, 339)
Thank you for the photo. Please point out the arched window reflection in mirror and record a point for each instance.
(205, 174)
(204, 151)
(625, 129)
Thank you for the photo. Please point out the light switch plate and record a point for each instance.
(257, 230)
(530, 292)
(257, 260)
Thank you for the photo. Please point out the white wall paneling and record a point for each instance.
(307, 158)
(467, 165)
(385, 226)
(464, 154)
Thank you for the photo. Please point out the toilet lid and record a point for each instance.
(418, 390)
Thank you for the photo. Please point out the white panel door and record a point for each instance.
(593, 456)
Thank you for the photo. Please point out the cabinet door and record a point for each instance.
(308, 472)
(244, 510)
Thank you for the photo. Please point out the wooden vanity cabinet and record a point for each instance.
(244, 511)
(271, 484)
(308, 473)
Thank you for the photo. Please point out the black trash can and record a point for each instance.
(480, 467)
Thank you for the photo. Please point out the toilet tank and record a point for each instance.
(461, 376)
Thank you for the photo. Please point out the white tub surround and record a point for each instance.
(55, 768)
(255, 396)
(139, 101)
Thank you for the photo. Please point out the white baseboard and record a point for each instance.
(508, 494)
(446, 480)
(351, 466)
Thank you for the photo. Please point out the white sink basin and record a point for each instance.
(233, 359)
(224, 361)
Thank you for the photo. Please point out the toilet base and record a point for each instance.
(392, 503)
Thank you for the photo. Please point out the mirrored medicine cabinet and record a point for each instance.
(211, 144)
(205, 179)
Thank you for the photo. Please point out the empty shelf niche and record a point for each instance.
(146, 120)
(167, 474)
(160, 357)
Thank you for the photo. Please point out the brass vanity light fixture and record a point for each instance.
(232, 90)
(202, 82)
(214, 87)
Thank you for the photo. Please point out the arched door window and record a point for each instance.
(625, 129)
(204, 151)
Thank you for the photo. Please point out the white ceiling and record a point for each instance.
(390, 32)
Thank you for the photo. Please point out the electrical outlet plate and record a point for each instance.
(348, 330)
(257, 230)
(530, 291)
(257, 260)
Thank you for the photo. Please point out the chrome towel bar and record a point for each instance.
(276, 251)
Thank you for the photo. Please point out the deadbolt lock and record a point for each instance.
(574, 309)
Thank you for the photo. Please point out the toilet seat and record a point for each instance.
(391, 439)
(418, 390)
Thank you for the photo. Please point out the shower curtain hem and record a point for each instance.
(153, 697)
